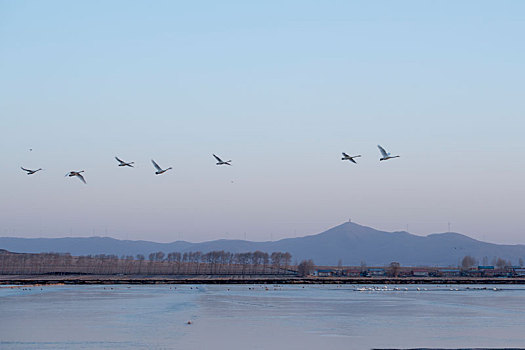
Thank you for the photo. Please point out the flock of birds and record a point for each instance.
(158, 170)
(384, 155)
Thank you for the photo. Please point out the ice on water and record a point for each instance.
(261, 316)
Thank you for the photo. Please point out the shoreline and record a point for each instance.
(202, 279)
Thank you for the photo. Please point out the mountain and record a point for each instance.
(349, 242)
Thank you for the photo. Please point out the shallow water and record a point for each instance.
(261, 317)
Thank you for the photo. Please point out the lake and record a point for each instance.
(261, 316)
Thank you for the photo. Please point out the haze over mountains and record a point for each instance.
(349, 242)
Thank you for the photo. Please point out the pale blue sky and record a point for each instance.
(281, 88)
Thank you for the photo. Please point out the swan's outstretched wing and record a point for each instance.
(383, 152)
(24, 169)
(81, 177)
(352, 160)
(218, 159)
(119, 160)
(345, 155)
(156, 165)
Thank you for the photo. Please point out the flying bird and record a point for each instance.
(159, 169)
(123, 163)
(29, 171)
(385, 154)
(77, 174)
(221, 162)
(350, 158)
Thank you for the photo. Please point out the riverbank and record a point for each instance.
(234, 279)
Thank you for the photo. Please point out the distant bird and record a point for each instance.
(77, 174)
(29, 171)
(221, 162)
(350, 158)
(159, 169)
(123, 163)
(385, 154)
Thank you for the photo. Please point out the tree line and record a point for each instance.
(157, 263)
(469, 261)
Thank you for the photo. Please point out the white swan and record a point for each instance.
(123, 163)
(29, 171)
(159, 169)
(350, 158)
(221, 162)
(385, 154)
(77, 174)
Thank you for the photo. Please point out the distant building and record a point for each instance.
(376, 271)
(420, 272)
(352, 272)
(450, 272)
(486, 271)
(472, 272)
(324, 273)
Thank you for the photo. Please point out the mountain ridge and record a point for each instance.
(349, 242)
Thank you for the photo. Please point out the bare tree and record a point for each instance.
(196, 260)
(174, 259)
(266, 260)
(287, 258)
(394, 268)
(363, 266)
(257, 259)
(244, 259)
(468, 262)
(276, 258)
(501, 263)
(140, 259)
(159, 256)
(305, 268)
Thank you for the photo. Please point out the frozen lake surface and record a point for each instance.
(261, 317)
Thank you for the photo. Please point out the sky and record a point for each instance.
(279, 87)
